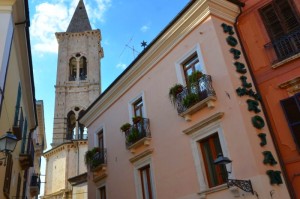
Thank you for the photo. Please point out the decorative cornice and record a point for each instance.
(64, 146)
(203, 123)
(164, 43)
(292, 86)
(141, 155)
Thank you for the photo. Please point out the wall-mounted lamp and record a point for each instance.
(245, 185)
(8, 144)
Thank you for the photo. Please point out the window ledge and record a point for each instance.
(207, 102)
(142, 142)
(211, 190)
(276, 65)
(99, 172)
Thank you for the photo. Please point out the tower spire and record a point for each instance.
(80, 21)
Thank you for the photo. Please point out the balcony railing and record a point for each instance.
(138, 131)
(194, 93)
(35, 185)
(98, 159)
(284, 47)
(77, 137)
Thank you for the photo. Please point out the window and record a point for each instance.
(291, 108)
(210, 148)
(138, 108)
(146, 182)
(190, 66)
(282, 24)
(75, 130)
(100, 140)
(81, 62)
(102, 192)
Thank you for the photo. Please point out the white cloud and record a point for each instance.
(55, 17)
(145, 28)
(121, 65)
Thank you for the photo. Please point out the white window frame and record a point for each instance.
(138, 185)
(178, 65)
(197, 153)
(101, 184)
(132, 101)
(101, 127)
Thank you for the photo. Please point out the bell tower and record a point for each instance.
(78, 76)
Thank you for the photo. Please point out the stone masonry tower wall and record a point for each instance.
(78, 76)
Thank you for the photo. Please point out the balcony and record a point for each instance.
(284, 48)
(195, 97)
(26, 159)
(35, 185)
(138, 134)
(96, 161)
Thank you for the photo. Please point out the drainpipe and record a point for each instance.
(289, 185)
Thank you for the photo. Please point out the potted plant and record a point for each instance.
(133, 136)
(195, 76)
(136, 119)
(190, 100)
(174, 91)
(89, 156)
(125, 127)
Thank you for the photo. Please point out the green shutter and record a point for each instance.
(17, 106)
(24, 137)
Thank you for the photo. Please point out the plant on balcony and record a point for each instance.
(190, 99)
(133, 136)
(195, 76)
(125, 127)
(174, 91)
(89, 156)
(136, 119)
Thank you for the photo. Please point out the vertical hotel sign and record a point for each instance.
(253, 102)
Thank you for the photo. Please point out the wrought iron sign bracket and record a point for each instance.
(245, 185)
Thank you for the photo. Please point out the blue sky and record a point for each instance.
(124, 24)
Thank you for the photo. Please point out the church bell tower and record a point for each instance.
(78, 76)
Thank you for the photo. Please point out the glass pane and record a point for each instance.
(210, 167)
(291, 110)
(296, 132)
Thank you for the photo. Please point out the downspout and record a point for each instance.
(289, 186)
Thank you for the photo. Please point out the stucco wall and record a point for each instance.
(175, 169)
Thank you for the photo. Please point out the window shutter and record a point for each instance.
(24, 137)
(271, 22)
(8, 172)
(287, 15)
(291, 107)
(17, 106)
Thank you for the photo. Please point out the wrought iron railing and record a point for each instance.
(194, 93)
(138, 131)
(35, 181)
(76, 137)
(98, 159)
(284, 47)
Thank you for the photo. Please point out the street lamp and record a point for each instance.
(245, 185)
(8, 144)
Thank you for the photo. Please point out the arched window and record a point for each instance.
(82, 128)
(71, 125)
(73, 69)
(82, 68)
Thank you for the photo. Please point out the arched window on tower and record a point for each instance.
(82, 128)
(71, 125)
(73, 69)
(82, 68)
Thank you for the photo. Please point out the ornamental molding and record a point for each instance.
(203, 123)
(141, 155)
(64, 147)
(292, 86)
(198, 12)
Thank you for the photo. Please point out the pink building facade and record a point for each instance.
(174, 136)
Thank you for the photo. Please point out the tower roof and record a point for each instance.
(80, 20)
